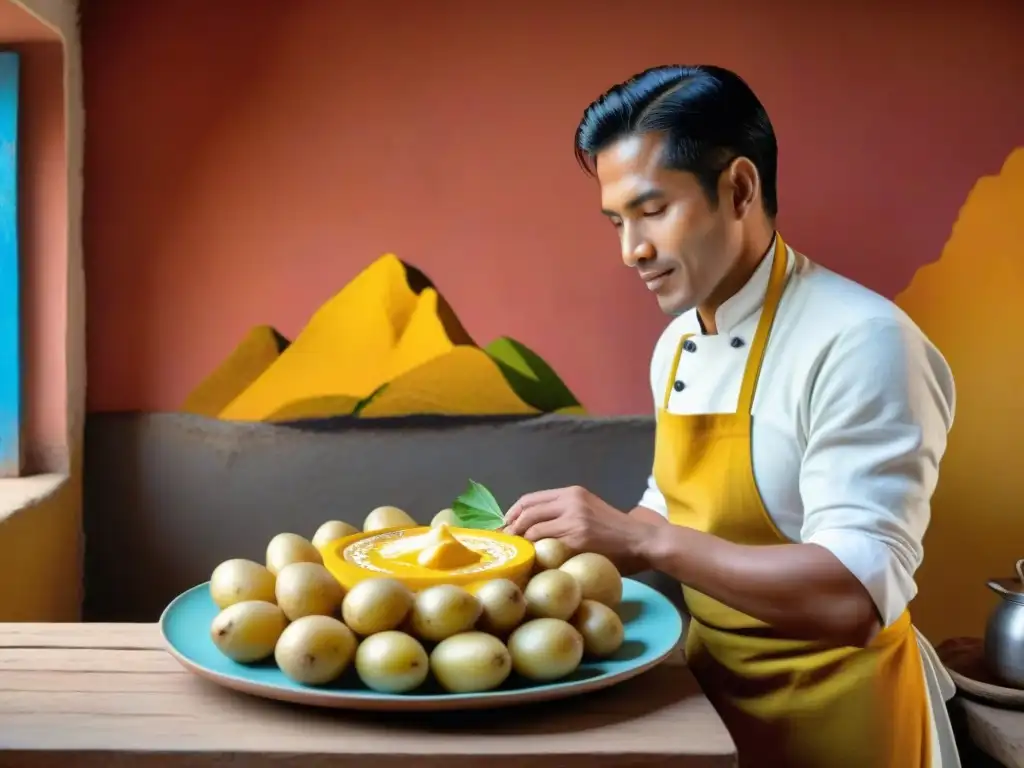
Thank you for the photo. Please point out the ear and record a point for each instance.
(742, 186)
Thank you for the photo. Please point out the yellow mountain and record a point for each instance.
(345, 349)
(246, 363)
(465, 381)
(425, 337)
(322, 407)
(969, 304)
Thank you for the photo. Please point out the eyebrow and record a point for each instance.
(636, 202)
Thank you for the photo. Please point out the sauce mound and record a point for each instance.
(436, 550)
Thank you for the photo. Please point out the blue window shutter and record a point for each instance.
(10, 303)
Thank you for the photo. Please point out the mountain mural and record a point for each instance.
(387, 344)
(969, 302)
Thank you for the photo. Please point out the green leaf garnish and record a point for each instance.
(477, 508)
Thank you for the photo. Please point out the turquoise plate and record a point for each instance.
(653, 630)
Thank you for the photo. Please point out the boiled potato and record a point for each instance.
(387, 517)
(446, 517)
(601, 629)
(545, 649)
(598, 577)
(552, 594)
(307, 589)
(287, 548)
(550, 553)
(376, 605)
(315, 650)
(442, 611)
(470, 662)
(330, 531)
(502, 606)
(247, 632)
(238, 580)
(392, 662)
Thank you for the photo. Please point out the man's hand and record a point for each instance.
(583, 522)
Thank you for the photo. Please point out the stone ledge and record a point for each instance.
(40, 548)
(20, 493)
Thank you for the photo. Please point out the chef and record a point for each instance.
(801, 420)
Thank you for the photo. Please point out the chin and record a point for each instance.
(676, 305)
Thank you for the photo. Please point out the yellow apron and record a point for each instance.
(786, 702)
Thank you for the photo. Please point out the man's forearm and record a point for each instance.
(800, 589)
(631, 565)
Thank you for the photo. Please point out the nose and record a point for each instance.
(635, 248)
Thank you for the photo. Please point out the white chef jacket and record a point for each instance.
(851, 415)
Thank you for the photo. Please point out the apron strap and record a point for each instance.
(772, 298)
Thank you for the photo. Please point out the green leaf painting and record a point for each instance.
(533, 380)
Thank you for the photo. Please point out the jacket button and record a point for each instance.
(736, 342)
(678, 386)
(689, 346)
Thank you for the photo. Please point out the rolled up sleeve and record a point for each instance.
(877, 419)
(653, 499)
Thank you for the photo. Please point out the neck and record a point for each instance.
(755, 248)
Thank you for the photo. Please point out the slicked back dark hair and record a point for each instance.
(708, 114)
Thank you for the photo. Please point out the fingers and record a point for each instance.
(546, 529)
(529, 500)
(534, 514)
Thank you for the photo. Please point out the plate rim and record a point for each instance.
(953, 652)
(332, 698)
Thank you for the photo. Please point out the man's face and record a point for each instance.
(680, 245)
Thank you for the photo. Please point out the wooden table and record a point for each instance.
(108, 695)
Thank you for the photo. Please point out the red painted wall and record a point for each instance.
(245, 159)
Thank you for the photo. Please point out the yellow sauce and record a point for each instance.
(422, 557)
(436, 550)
